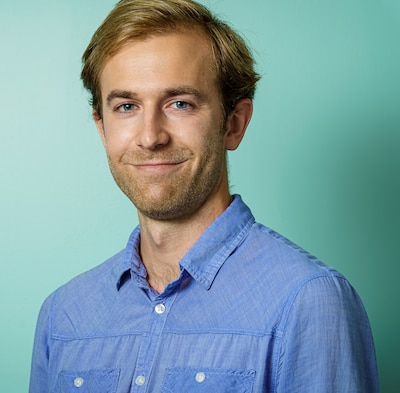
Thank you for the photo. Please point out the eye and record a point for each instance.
(125, 108)
(181, 105)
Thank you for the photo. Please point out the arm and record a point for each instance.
(40, 357)
(327, 345)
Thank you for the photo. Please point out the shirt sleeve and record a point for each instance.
(327, 344)
(40, 357)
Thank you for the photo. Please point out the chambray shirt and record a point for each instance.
(250, 312)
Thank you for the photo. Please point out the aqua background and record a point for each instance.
(320, 162)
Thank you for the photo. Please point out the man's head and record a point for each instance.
(172, 90)
(133, 20)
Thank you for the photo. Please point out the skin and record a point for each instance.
(163, 130)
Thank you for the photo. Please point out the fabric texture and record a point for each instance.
(250, 312)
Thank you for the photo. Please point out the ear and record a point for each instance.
(237, 123)
(99, 125)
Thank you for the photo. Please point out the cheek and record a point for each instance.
(117, 139)
(212, 148)
(203, 133)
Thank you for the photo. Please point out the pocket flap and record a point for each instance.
(92, 381)
(207, 380)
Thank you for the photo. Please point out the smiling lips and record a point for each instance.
(157, 162)
(157, 166)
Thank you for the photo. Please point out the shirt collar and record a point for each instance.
(205, 258)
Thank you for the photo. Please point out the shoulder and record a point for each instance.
(317, 320)
(95, 279)
(74, 302)
(280, 259)
(292, 279)
(301, 286)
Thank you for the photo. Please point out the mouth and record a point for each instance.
(158, 166)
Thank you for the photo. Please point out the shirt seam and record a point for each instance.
(58, 337)
(280, 332)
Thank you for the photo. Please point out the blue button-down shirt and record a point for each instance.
(250, 312)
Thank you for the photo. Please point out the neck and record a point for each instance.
(164, 243)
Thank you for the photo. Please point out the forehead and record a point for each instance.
(182, 57)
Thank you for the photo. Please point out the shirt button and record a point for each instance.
(78, 382)
(140, 380)
(200, 377)
(160, 308)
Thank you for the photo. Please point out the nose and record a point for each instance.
(152, 133)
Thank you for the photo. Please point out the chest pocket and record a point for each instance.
(207, 380)
(93, 381)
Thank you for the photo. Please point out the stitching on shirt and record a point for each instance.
(272, 333)
(60, 337)
(228, 332)
(293, 296)
(328, 274)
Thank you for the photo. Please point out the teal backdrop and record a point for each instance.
(320, 162)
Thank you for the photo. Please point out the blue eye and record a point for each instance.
(126, 108)
(181, 105)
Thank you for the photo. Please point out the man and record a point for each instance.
(203, 299)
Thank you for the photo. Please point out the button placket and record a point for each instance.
(152, 339)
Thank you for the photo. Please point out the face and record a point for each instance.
(162, 125)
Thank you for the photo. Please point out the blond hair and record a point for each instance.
(131, 20)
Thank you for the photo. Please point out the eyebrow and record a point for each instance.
(170, 92)
(119, 94)
(184, 90)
